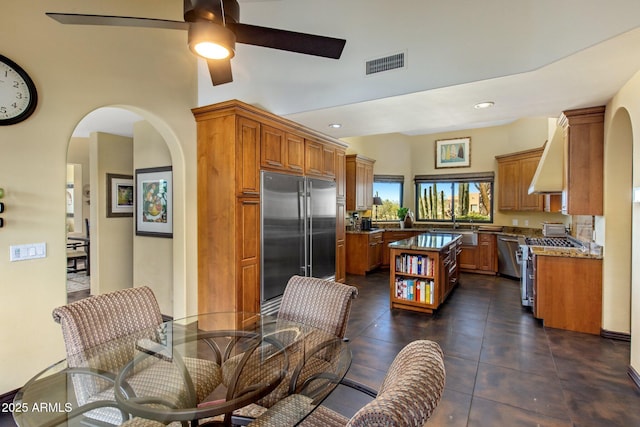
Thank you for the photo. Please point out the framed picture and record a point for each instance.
(119, 195)
(154, 202)
(453, 153)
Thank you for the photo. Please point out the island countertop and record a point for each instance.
(426, 241)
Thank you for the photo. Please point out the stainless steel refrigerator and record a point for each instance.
(298, 232)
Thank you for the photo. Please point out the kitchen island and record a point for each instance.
(424, 270)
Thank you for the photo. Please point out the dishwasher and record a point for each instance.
(507, 264)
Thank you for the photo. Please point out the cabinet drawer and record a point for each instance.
(375, 238)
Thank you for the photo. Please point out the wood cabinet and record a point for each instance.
(482, 258)
(359, 181)
(341, 212)
(281, 151)
(583, 161)
(515, 172)
(364, 252)
(236, 141)
(568, 293)
(422, 279)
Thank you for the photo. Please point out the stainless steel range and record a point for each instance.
(525, 259)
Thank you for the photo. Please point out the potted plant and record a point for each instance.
(402, 213)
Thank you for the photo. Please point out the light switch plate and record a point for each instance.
(28, 251)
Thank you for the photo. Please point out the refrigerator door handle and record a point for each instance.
(309, 232)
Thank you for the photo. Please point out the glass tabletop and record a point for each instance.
(188, 369)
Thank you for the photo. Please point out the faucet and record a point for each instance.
(453, 217)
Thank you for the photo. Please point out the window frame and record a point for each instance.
(393, 179)
(454, 179)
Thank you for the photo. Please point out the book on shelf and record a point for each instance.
(414, 264)
(414, 290)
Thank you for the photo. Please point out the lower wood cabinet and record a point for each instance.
(363, 252)
(482, 258)
(567, 293)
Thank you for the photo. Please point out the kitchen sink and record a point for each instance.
(469, 237)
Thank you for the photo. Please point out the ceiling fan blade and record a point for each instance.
(291, 41)
(220, 70)
(120, 21)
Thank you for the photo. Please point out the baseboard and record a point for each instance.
(8, 397)
(620, 336)
(635, 377)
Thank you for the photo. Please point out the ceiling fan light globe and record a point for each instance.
(211, 41)
(211, 50)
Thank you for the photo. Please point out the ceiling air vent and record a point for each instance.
(391, 62)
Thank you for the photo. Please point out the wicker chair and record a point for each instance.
(319, 303)
(100, 333)
(409, 394)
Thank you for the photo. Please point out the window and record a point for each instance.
(455, 197)
(389, 188)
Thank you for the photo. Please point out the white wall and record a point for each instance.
(76, 70)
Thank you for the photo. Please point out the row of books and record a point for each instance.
(414, 290)
(414, 264)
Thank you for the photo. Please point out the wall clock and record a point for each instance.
(18, 96)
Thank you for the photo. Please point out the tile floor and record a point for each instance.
(503, 367)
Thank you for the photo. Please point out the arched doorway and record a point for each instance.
(117, 141)
(616, 225)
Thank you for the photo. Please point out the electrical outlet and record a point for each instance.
(526, 222)
(28, 251)
(514, 222)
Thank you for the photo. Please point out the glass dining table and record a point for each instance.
(252, 365)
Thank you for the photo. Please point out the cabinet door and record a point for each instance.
(248, 241)
(328, 161)
(529, 202)
(469, 258)
(341, 173)
(272, 148)
(368, 186)
(340, 242)
(313, 158)
(294, 149)
(248, 157)
(360, 186)
(487, 252)
(508, 192)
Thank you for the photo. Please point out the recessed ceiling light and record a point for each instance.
(481, 105)
(335, 125)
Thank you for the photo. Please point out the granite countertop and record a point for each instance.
(426, 241)
(375, 230)
(565, 252)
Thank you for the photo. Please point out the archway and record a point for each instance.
(616, 225)
(128, 259)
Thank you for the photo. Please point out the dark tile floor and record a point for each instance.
(503, 367)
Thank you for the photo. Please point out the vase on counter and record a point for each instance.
(408, 220)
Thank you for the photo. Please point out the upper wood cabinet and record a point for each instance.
(359, 182)
(281, 151)
(583, 161)
(515, 172)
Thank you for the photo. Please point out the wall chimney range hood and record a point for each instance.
(548, 177)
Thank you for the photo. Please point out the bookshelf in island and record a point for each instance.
(424, 270)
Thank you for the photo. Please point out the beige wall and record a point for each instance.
(616, 291)
(415, 155)
(77, 70)
(111, 238)
(153, 256)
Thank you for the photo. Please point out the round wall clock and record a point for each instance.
(18, 96)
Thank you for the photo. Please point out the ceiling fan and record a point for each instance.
(213, 30)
